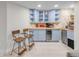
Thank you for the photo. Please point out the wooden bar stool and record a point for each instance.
(29, 36)
(18, 39)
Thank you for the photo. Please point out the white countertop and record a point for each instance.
(43, 28)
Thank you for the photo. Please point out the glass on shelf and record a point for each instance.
(46, 12)
(46, 19)
(57, 11)
(56, 19)
(40, 11)
(46, 16)
(56, 14)
(40, 15)
(40, 19)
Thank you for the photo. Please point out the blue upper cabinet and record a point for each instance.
(44, 15)
(41, 16)
(54, 15)
(57, 14)
(36, 16)
(32, 15)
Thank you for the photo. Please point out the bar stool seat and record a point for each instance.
(19, 39)
(28, 36)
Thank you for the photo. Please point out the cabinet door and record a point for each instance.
(42, 35)
(45, 16)
(52, 16)
(41, 16)
(64, 37)
(70, 35)
(56, 35)
(32, 11)
(35, 35)
(36, 16)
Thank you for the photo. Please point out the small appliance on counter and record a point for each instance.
(46, 25)
(49, 25)
(40, 25)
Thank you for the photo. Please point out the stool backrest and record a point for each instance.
(25, 30)
(28, 31)
(15, 32)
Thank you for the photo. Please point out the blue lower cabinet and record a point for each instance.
(35, 35)
(42, 35)
(39, 35)
(56, 35)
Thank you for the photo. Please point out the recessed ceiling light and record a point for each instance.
(56, 5)
(72, 6)
(39, 5)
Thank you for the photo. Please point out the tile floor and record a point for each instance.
(46, 49)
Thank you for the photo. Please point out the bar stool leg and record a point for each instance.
(13, 48)
(19, 46)
(24, 44)
(32, 40)
(29, 42)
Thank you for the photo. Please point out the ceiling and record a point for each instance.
(46, 5)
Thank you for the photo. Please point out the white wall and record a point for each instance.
(3, 27)
(65, 16)
(17, 18)
(76, 27)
